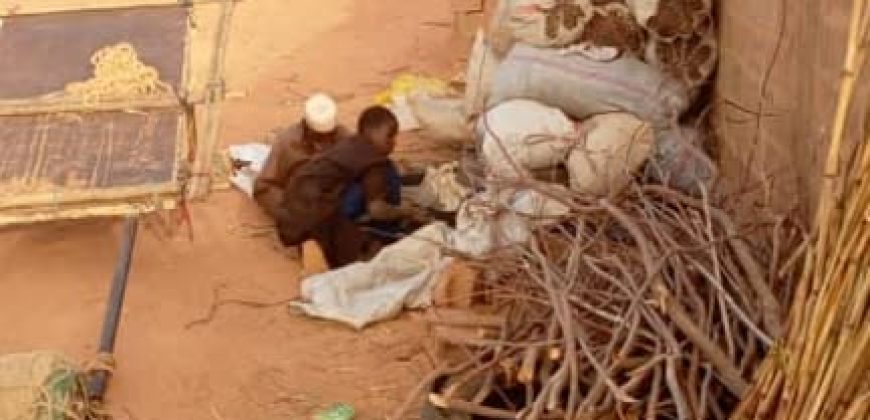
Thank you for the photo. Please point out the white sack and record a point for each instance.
(401, 108)
(615, 147)
(493, 220)
(402, 275)
(583, 87)
(33, 385)
(254, 153)
(441, 190)
(441, 118)
(538, 205)
(482, 65)
(483, 226)
(531, 135)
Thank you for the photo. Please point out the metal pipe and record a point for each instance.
(99, 380)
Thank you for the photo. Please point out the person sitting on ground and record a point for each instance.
(314, 206)
(317, 132)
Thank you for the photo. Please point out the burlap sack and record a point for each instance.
(39, 386)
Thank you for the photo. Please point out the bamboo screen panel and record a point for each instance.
(72, 158)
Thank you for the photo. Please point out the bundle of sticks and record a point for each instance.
(646, 305)
(822, 367)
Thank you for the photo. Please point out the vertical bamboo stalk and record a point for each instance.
(823, 346)
(854, 63)
(201, 181)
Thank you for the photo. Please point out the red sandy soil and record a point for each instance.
(246, 363)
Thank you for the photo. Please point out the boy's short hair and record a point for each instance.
(377, 116)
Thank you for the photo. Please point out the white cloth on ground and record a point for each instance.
(404, 275)
(401, 276)
(253, 153)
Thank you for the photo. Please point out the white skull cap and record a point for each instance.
(321, 113)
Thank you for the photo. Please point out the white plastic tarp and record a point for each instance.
(402, 275)
(405, 274)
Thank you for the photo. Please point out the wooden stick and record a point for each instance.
(673, 384)
(16, 108)
(125, 207)
(456, 404)
(62, 196)
(12, 8)
(755, 275)
(464, 318)
(651, 408)
(527, 372)
(200, 185)
(730, 375)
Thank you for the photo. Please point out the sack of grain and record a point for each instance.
(40, 386)
(482, 65)
(524, 135)
(615, 147)
(582, 86)
(441, 119)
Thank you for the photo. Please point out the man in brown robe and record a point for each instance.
(311, 207)
(315, 133)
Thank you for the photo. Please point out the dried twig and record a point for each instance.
(218, 302)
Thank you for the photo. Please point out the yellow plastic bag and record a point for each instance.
(406, 84)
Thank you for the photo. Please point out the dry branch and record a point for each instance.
(649, 302)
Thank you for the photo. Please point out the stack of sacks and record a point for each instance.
(429, 105)
(522, 135)
(601, 154)
(578, 69)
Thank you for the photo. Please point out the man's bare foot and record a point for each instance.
(313, 260)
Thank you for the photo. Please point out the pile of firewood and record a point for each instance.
(649, 305)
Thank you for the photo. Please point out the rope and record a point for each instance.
(102, 362)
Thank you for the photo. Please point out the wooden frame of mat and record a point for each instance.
(55, 106)
(33, 7)
(132, 205)
(204, 56)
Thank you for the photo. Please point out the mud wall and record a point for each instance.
(776, 93)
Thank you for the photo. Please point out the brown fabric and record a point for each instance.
(342, 240)
(312, 196)
(291, 149)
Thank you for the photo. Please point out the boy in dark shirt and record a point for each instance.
(312, 206)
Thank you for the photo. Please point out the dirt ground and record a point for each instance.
(246, 363)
